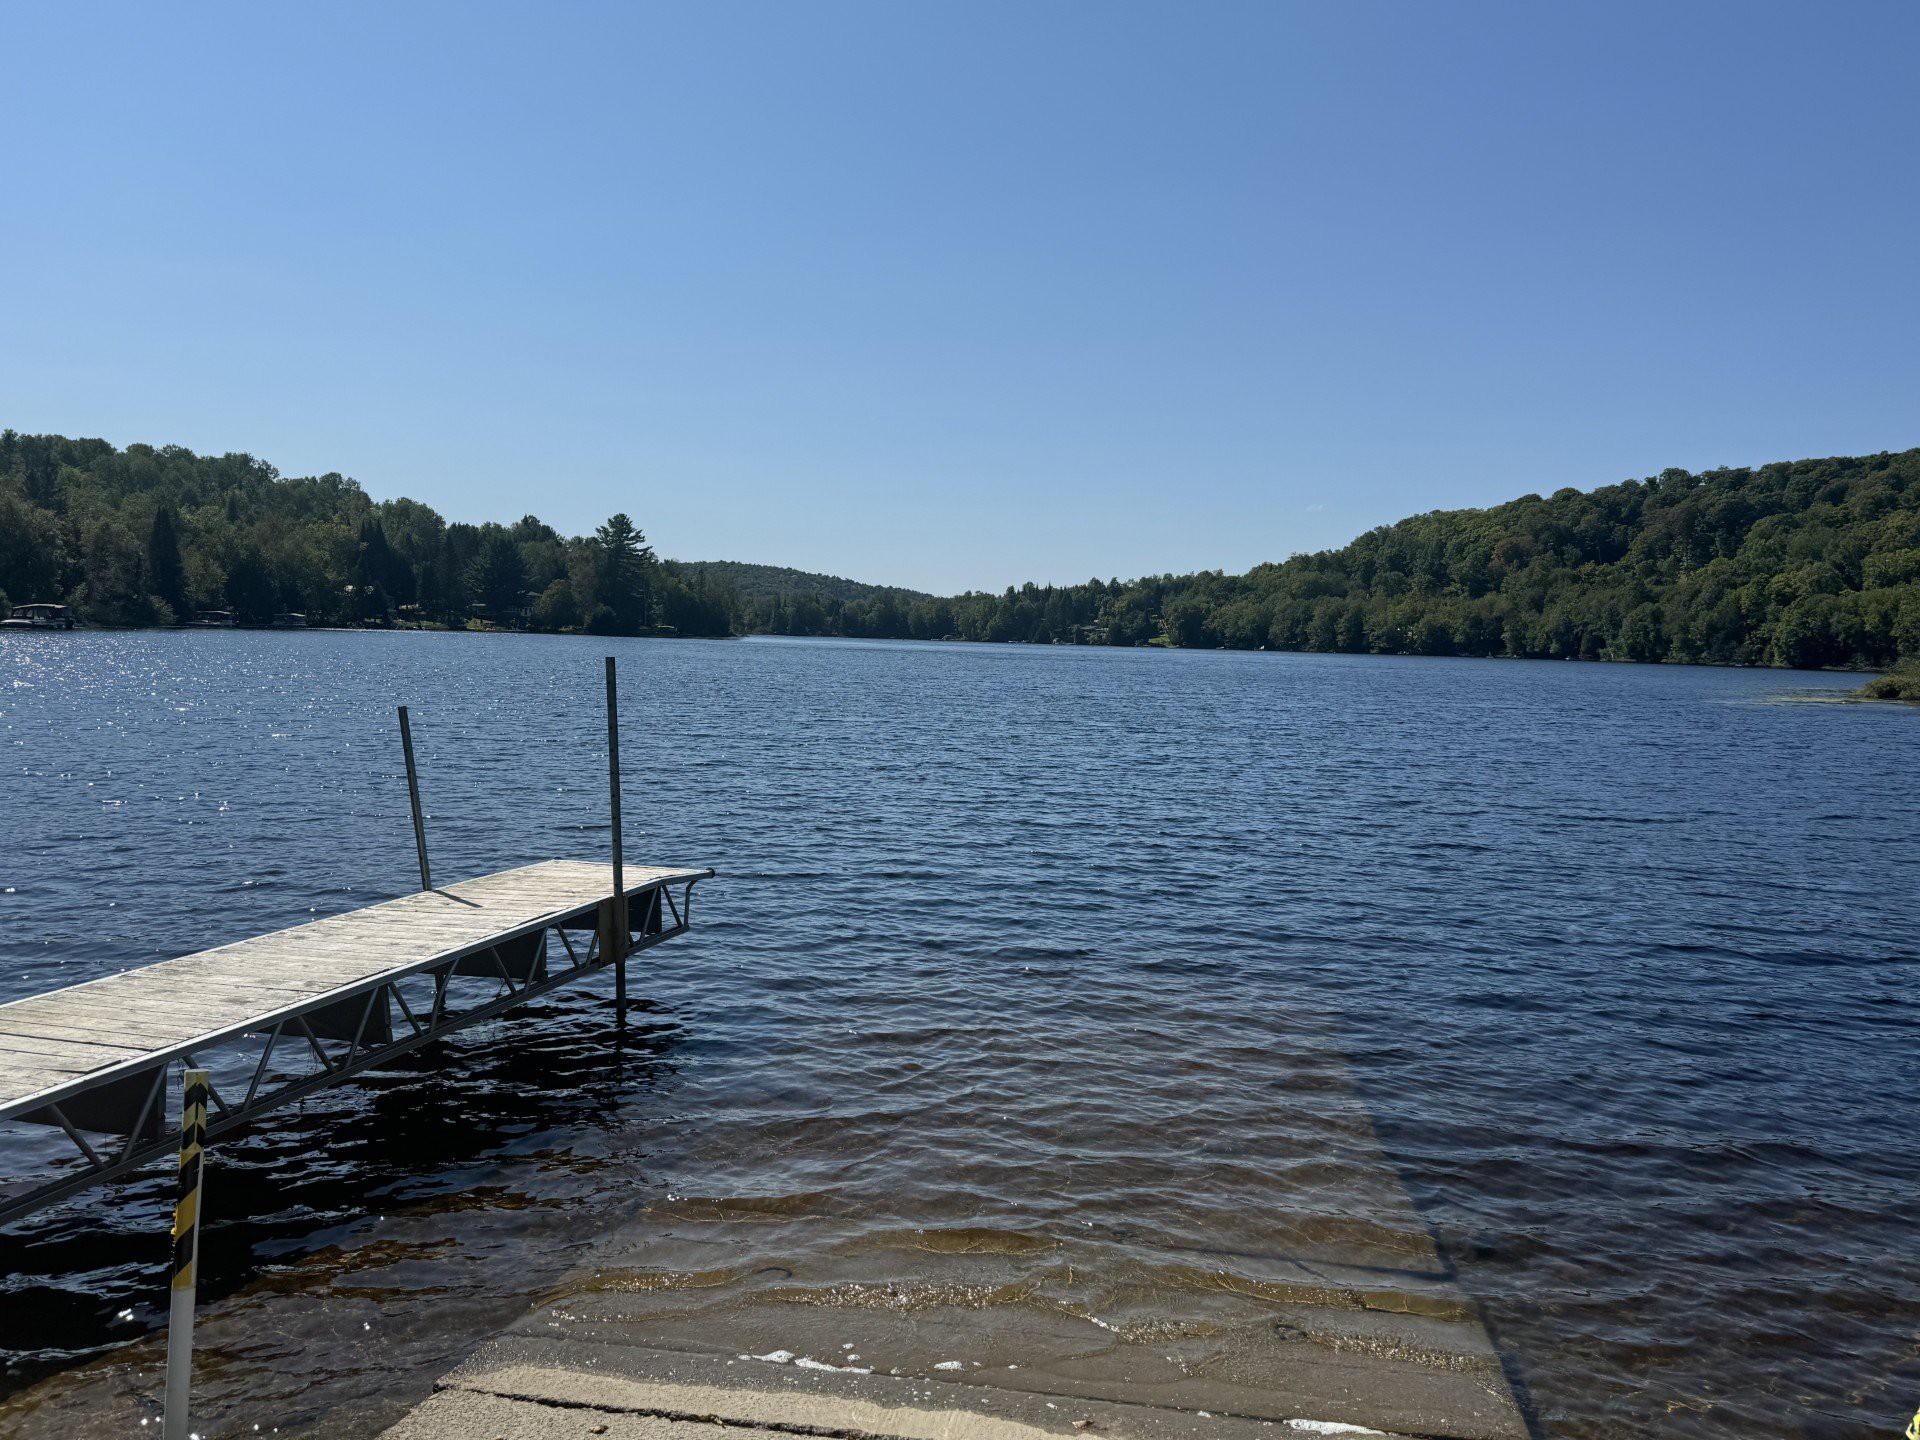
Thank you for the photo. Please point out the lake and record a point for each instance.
(1616, 967)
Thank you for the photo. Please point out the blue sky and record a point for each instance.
(959, 296)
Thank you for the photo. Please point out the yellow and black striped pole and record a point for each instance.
(186, 1255)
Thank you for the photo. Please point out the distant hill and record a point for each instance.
(1801, 563)
(779, 582)
(152, 535)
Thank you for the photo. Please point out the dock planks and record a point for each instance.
(88, 1035)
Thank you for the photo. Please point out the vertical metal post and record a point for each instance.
(186, 1256)
(619, 925)
(413, 795)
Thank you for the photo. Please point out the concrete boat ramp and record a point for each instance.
(689, 1322)
(553, 1377)
(529, 1388)
(543, 1390)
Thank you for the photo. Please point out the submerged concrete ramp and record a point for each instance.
(1267, 1337)
(790, 1317)
(1323, 1301)
(545, 1390)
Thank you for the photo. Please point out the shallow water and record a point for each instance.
(1089, 949)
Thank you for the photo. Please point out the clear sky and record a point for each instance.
(960, 295)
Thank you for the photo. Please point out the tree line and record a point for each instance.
(154, 536)
(1810, 563)
(1805, 563)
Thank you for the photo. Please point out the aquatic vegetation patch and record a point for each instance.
(1902, 682)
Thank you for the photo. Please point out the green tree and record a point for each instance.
(442, 583)
(33, 551)
(115, 591)
(555, 609)
(1642, 636)
(623, 578)
(498, 577)
(251, 593)
(166, 572)
(382, 578)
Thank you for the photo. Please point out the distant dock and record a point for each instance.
(282, 1015)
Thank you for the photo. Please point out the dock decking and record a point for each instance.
(310, 1005)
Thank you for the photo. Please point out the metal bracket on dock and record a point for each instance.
(321, 1042)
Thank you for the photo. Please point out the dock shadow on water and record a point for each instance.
(356, 1243)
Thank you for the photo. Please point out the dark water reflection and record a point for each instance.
(1621, 960)
(437, 1132)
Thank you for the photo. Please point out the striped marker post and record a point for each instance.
(186, 1255)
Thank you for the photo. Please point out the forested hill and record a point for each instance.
(758, 583)
(149, 535)
(1807, 563)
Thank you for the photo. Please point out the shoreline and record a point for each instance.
(983, 644)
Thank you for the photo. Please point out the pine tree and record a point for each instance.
(499, 577)
(166, 574)
(624, 585)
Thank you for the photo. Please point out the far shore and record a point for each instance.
(1903, 677)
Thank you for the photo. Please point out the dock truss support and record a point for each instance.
(304, 1048)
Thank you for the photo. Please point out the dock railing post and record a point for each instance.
(617, 929)
(186, 1256)
(413, 796)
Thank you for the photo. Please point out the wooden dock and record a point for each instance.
(281, 1015)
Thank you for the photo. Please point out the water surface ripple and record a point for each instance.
(1013, 941)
